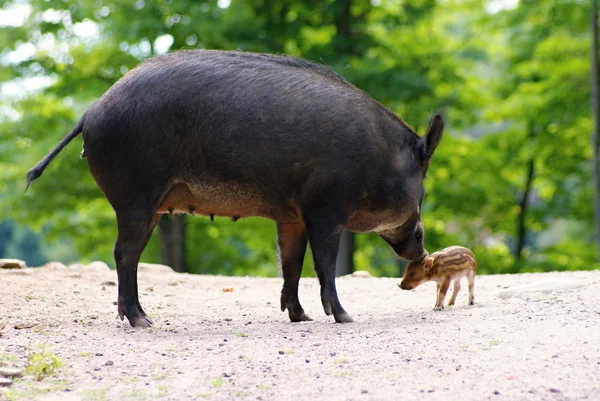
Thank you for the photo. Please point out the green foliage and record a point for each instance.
(514, 86)
(42, 364)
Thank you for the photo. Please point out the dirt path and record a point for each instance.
(529, 337)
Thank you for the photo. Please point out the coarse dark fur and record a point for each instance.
(240, 134)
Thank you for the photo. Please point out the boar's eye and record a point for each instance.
(412, 274)
(418, 235)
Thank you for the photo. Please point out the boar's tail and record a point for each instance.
(37, 170)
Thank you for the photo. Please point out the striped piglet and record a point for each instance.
(449, 264)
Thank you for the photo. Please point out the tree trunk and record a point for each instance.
(523, 204)
(343, 42)
(596, 112)
(172, 241)
(345, 259)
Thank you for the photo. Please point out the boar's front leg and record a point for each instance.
(135, 228)
(324, 238)
(291, 242)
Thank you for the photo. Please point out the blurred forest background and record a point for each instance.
(512, 178)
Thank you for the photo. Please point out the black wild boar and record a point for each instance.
(241, 134)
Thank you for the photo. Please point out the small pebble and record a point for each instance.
(364, 391)
(554, 390)
(109, 363)
(281, 352)
(5, 382)
(10, 372)
(27, 325)
(496, 392)
(99, 354)
(307, 360)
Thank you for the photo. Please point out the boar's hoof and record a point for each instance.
(295, 312)
(438, 308)
(300, 317)
(343, 318)
(212, 217)
(143, 321)
(134, 313)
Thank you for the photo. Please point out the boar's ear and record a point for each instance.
(428, 263)
(430, 140)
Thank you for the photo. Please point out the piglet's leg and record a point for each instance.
(442, 289)
(455, 291)
(471, 278)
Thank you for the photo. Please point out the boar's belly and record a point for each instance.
(230, 200)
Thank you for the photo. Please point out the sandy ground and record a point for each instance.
(529, 337)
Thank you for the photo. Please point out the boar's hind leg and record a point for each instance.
(291, 241)
(135, 228)
(324, 239)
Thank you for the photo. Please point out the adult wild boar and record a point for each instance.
(241, 134)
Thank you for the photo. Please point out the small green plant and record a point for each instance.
(84, 354)
(42, 364)
(341, 361)
(241, 334)
(218, 382)
(163, 390)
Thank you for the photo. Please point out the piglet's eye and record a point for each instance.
(411, 274)
(418, 235)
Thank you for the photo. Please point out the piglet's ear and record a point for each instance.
(428, 263)
(431, 139)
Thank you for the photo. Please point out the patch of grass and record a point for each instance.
(95, 394)
(263, 387)
(8, 358)
(163, 390)
(159, 377)
(140, 395)
(129, 379)
(344, 374)
(42, 364)
(203, 395)
(494, 342)
(341, 361)
(84, 354)
(35, 390)
(218, 382)
(241, 334)
(241, 394)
